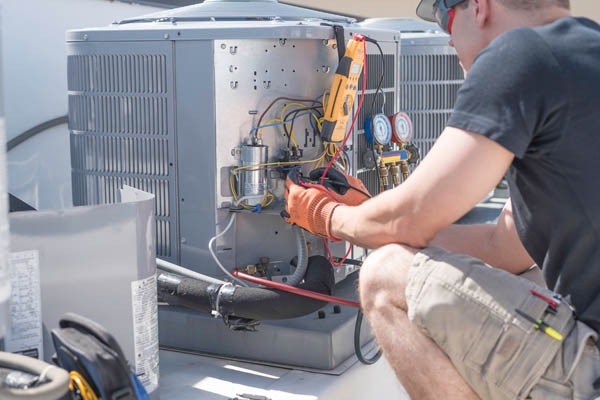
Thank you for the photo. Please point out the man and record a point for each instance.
(445, 301)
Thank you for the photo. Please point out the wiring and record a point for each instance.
(357, 349)
(269, 197)
(378, 90)
(348, 134)
(296, 290)
(288, 99)
(214, 256)
(312, 111)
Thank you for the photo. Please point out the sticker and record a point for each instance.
(145, 331)
(25, 334)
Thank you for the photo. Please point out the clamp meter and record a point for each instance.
(343, 91)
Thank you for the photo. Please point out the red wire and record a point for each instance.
(295, 290)
(337, 153)
(360, 103)
(335, 265)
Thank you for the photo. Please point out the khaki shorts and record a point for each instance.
(468, 309)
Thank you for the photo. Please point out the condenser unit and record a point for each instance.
(170, 102)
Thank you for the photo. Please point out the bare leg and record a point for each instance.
(423, 368)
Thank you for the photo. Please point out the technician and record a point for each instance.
(446, 302)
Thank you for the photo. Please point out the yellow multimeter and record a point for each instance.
(343, 91)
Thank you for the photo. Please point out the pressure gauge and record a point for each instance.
(378, 129)
(402, 128)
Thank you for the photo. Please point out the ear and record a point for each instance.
(481, 8)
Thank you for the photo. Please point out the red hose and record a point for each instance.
(295, 290)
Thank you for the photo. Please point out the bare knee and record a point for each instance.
(384, 275)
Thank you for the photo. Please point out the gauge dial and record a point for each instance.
(378, 129)
(402, 128)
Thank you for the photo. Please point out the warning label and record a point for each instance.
(145, 330)
(25, 334)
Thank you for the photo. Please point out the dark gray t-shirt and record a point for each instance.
(536, 91)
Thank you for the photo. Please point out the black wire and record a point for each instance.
(357, 350)
(28, 134)
(295, 112)
(382, 73)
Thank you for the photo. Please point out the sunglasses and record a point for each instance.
(444, 14)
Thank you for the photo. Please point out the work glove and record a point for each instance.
(308, 207)
(342, 188)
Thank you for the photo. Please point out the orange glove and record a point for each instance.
(342, 188)
(309, 208)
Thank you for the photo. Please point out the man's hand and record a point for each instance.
(308, 207)
(342, 188)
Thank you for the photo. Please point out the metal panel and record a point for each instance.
(88, 259)
(122, 127)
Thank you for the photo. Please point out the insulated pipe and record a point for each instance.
(302, 262)
(249, 302)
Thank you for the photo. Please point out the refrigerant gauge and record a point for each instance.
(402, 128)
(378, 130)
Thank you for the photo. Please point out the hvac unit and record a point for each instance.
(170, 103)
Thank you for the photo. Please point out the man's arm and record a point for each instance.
(460, 169)
(496, 244)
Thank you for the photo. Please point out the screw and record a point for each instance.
(223, 46)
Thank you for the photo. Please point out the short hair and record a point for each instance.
(533, 4)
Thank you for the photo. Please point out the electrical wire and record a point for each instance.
(296, 290)
(357, 349)
(298, 113)
(380, 79)
(288, 99)
(214, 256)
(348, 134)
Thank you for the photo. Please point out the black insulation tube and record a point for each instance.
(249, 302)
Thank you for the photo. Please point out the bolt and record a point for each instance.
(321, 314)
(166, 36)
(223, 46)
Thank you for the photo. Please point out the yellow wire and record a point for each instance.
(303, 107)
(269, 197)
(272, 120)
(78, 382)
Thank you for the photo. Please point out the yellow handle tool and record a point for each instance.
(343, 91)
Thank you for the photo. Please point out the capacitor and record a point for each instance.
(253, 181)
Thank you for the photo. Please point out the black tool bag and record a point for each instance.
(86, 347)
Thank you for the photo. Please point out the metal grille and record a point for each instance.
(374, 73)
(375, 69)
(428, 87)
(140, 73)
(118, 119)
